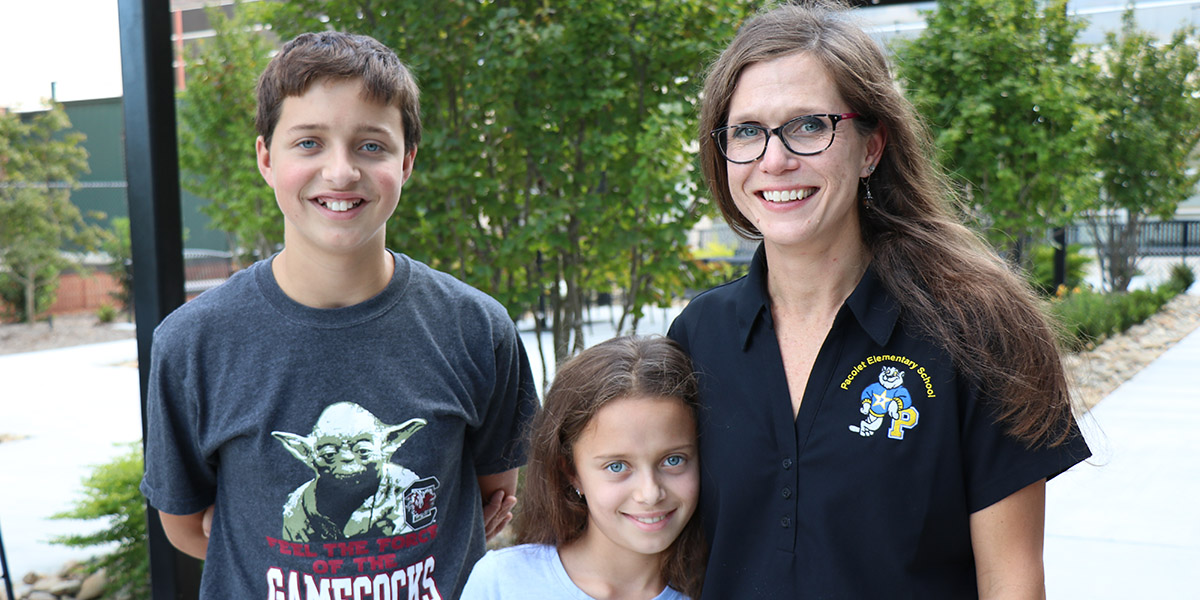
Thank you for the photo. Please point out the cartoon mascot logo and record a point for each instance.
(357, 490)
(888, 398)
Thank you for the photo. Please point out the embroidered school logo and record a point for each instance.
(887, 401)
(887, 397)
(357, 490)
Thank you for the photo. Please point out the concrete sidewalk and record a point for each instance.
(1126, 525)
(76, 405)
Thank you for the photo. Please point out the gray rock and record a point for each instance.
(66, 587)
(93, 586)
(47, 583)
(69, 569)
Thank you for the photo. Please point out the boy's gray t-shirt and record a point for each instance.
(340, 446)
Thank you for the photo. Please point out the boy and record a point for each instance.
(330, 421)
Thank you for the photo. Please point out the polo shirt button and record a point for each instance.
(787, 492)
(787, 463)
(785, 522)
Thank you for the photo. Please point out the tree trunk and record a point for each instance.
(1116, 239)
(31, 295)
(1124, 263)
(539, 317)
(558, 313)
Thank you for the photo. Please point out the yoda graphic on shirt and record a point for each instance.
(356, 489)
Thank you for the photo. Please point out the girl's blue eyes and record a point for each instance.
(372, 147)
(307, 144)
(674, 460)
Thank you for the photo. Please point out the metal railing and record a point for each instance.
(205, 269)
(1158, 243)
(1155, 238)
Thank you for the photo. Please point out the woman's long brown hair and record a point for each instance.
(953, 288)
(550, 511)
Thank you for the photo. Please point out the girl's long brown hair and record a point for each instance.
(953, 288)
(550, 511)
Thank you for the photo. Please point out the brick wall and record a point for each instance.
(87, 292)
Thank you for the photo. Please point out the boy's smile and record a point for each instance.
(337, 163)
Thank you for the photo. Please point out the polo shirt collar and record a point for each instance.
(875, 309)
(753, 303)
(872, 306)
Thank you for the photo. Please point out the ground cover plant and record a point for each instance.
(111, 493)
(1088, 317)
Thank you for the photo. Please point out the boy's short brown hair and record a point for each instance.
(310, 57)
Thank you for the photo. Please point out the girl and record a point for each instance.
(612, 482)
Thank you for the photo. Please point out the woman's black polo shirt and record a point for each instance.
(867, 493)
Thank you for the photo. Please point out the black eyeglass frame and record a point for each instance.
(834, 118)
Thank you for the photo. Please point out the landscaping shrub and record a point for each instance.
(1042, 276)
(1182, 277)
(1087, 317)
(107, 313)
(711, 273)
(111, 492)
(118, 246)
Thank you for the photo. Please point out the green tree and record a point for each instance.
(555, 162)
(1000, 86)
(1148, 97)
(119, 248)
(216, 134)
(41, 160)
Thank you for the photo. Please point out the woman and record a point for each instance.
(884, 400)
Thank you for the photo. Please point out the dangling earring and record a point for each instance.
(578, 494)
(866, 181)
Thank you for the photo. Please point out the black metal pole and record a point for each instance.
(1060, 233)
(8, 589)
(156, 229)
(1060, 256)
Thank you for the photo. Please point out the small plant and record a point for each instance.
(715, 250)
(1087, 317)
(107, 313)
(1182, 277)
(111, 492)
(712, 268)
(1042, 275)
(117, 246)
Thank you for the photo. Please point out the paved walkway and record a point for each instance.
(1127, 525)
(75, 404)
(1123, 526)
